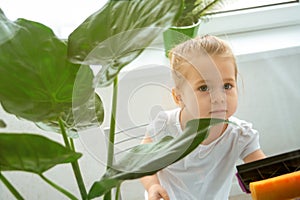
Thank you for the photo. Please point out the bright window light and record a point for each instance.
(62, 16)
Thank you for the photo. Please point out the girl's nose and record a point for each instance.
(218, 97)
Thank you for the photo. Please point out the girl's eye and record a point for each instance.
(227, 86)
(203, 88)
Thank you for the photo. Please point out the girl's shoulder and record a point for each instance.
(246, 135)
(162, 122)
(242, 126)
(239, 121)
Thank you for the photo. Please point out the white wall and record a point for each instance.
(269, 97)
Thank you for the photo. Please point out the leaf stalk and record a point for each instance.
(75, 165)
(111, 141)
(11, 188)
(60, 189)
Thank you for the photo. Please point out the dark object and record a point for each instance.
(267, 168)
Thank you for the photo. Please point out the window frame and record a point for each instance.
(252, 19)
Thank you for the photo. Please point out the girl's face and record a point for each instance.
(209, 89)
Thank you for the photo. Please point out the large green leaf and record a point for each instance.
(147, 159)
(36, 79)
(116, 34)
(79, 117)
(32, 153)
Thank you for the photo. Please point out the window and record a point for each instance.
(251, 4)
(262, 17)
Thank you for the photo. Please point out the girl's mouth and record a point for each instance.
(218, 111)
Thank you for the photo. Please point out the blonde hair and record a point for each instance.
(200, 45)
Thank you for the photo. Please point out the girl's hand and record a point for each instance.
(157, 192)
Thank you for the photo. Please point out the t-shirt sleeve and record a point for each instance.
(157, 128)
(249, 139)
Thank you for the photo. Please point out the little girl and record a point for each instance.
(205, 75)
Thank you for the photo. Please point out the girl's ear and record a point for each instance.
(177, 97)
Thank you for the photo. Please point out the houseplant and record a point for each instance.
(38, 83)
(188, 22)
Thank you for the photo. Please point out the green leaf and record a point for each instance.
(196, 9)
(116, 34)
(2, 124)
(32, 153)
(147, 159)
(36, 79)
(79, 117)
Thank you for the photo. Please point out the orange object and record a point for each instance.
(282, 187)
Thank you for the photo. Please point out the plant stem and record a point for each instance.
(110, 152)
(118, 192)
(72, 144)
(64, 133)
(75, 165)
(62, 190)
(107, 196)
(11, 188)
(111, 141)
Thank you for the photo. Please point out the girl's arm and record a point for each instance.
(256, 155)
(152, 184)
(154, 189)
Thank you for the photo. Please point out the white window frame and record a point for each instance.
(252, 19)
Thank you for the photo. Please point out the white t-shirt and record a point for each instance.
(207, 172)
